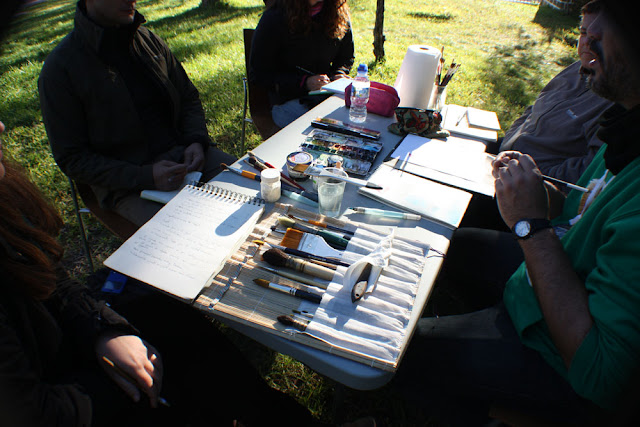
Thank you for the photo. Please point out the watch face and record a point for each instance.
(522, 228)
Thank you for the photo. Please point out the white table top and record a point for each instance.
(275, 151)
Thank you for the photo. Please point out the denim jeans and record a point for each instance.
(284, 114)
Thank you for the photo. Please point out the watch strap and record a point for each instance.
(535, 224)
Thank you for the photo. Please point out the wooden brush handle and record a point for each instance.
(310, 269)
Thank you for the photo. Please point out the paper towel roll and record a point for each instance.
(417, 75)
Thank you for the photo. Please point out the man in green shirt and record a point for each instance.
(566, 337)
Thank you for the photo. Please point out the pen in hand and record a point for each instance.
(129, 378)
(304, 70)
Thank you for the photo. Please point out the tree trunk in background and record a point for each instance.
(378, 32)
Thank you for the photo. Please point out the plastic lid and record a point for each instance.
(270, 175)
(362, 68)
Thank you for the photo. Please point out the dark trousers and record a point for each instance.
(206, 379)
(139, 211)
(468, 354)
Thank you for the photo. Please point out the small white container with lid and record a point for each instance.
(270, 185)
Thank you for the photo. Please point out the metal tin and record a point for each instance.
(297, 163)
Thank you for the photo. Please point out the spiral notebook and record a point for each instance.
(187, 242)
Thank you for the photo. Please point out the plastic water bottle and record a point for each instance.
(359, 95)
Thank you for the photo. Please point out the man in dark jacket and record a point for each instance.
(559, 129)
(120, 111)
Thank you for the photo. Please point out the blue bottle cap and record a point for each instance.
(363, 67)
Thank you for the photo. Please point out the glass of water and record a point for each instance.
(331, 192)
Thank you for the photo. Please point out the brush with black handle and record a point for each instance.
(329, 262)
(278, 258)
(329, 236)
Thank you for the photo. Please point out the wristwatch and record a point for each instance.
(527, 227)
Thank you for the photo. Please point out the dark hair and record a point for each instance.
(29, 226)
(592, 7)
(625, 16)
(334, 17)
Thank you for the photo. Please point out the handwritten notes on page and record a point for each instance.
(188, 241)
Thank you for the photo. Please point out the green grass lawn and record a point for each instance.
(508, 51)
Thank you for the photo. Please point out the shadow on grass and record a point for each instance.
(435, 17)
(39, 33)
(558, 25)
(514, 73)
(198, 20)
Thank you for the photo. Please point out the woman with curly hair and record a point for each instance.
(299, 46)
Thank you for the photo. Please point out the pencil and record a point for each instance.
(129, 378)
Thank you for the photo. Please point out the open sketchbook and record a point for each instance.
(405, 191)
(187, 242)
(456, 161)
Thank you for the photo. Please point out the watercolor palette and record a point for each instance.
(358, 153)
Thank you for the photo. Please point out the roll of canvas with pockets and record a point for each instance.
(383, 99)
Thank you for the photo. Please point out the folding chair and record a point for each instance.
(116, 224)
(256, 99)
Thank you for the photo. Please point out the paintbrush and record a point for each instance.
(339, 241)
(260, 164)
(287, 320)
(326, 261)
(309, 243)
(292, 275)
(129, 378)
(278, 258)
(552, 179)
(322, 224)
(286, 182)
(241, 172)
(305, 295)
(311, 198)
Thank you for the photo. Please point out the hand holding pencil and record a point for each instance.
(133, 364)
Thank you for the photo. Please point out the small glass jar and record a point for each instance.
(438, 98)
(270, 185)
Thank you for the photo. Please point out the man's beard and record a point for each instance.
(616, 81)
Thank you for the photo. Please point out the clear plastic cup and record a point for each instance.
(331, 192)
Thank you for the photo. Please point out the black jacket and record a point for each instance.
(278, 57)
(95, 128)
(36, 339)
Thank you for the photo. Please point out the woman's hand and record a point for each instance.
(316, 82)
(137, 359)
